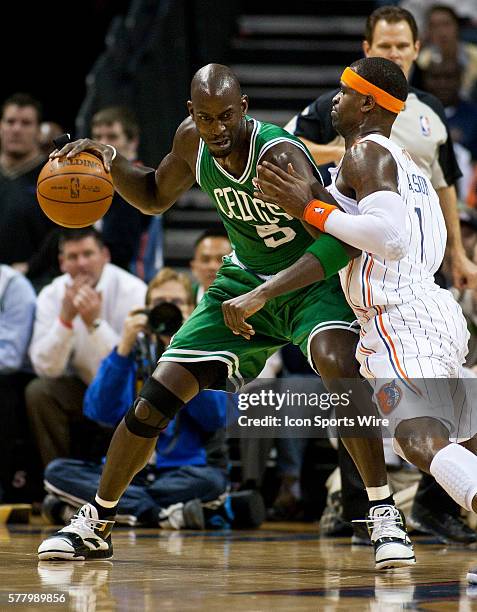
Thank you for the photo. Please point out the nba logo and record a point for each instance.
(425, 125)
(74, 188)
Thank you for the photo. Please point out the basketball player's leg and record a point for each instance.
(330, 346)
(179, 376)
(327, 334)
(425, 442)
(428, 355)
(170, 387)
(330, 351)
(88, 537)
(203, 354)
(333, 353)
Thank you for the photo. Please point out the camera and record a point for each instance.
(163, 319)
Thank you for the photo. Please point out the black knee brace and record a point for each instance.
(145, 419)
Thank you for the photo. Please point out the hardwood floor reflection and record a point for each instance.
(279, 567)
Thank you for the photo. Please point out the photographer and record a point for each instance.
(190, 459)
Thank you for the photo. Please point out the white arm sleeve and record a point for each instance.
(379, 228)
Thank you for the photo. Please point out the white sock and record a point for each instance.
(377, 493)
(104, 503)
(455, 469)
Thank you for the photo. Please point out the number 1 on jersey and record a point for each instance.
(419, 216)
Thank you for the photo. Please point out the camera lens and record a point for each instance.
(165, 319)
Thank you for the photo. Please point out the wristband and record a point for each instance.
(67, 324)
(331, 254)
(114, 152)
(316, 212)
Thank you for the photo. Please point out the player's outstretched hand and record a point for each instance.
(289, 190)
(238, 309)
(104, 152)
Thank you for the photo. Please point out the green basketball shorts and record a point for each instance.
(295, 317)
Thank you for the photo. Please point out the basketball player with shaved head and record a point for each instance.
(412, 331)
(219, 146)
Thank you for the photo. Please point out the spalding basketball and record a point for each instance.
(74, 191)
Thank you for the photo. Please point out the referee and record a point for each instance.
(391, 32)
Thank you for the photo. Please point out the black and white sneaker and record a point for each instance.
(472, 576)
(442, 525)
(85, 538)
(392, 546)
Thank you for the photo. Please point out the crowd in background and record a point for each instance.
(76, 338)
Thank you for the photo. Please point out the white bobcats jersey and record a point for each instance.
(370, 281)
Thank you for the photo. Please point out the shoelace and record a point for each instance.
(386, 525)
(79, 520)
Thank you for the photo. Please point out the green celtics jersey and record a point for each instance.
(264, 237)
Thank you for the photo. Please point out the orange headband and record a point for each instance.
(362, 86)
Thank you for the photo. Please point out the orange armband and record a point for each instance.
(316, 212)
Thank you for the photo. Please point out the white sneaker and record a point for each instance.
(392, 546)
(472, 576)
(85, 538)
(183, 516)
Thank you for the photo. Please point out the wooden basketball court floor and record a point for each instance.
(278, 567)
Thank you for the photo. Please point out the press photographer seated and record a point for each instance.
(186, 485)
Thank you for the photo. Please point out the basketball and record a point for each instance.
(75, 191)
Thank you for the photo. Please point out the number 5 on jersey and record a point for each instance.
(267, 232)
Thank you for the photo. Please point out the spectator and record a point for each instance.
(467, 298)
(443, 44)
(123, 225)
(421, 128)
(17, 311)
(209, 249)
(442, 79)
(465, 10)
(78, 321)
(24, 227)
(186, 473)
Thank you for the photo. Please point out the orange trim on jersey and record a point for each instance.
(349, 274)
(366, 279)
(364, 350)
(396, 360)
(362, 86)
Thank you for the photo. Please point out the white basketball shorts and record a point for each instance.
(412, 355)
